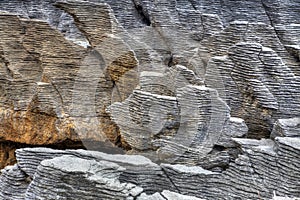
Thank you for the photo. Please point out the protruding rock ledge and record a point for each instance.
(262, 168)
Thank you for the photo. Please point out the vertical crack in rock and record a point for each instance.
(267, 13)
(94, 27)
(171, 180)
(143, 15)
(273, 25)
(193, 4)
(57, 92)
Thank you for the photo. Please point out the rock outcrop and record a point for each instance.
(263, 168)
(209, 91)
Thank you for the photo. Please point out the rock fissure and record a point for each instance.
(144, 16)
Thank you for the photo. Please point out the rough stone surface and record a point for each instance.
(242, 49)
(97, 180)
(286, 128)
(139, 170)
(207, 90)
(14, 183)
(264, 168)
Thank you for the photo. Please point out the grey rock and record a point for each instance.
(178, 81)
(286, 128)
(262, 168)
(139, 170)
(154, 196)
(202, 117)
(234, 128)
(45, 10)
(13, 183)
(97, 180)
(261, 99)
(166, 194)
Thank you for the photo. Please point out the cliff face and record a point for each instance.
(174, 81)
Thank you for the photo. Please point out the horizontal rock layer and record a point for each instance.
(181, 82)
(263, 168)
(71, 76)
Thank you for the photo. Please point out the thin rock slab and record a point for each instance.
(13, 183)
(286, 128)
(166, 194)
(139, 170)
(56, 178)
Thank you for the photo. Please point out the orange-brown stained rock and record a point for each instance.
(33, 128)
(121, 65)
(38, 71)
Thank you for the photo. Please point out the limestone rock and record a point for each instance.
(95, 28)
(151, 122)
(45, 10)
(185, 83)
(201, 121)
(234, 128)
(97, 180)
(166, 195)
(42, 90)
(13, 183)
(139, 170)
(286, 128)
(255, 88)
(262, 168)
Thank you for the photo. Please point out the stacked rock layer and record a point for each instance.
(265, 167)
(211, 89)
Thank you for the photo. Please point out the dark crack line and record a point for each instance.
(193, 5)
(55, 88)
(171, 181)
(259, 56)
(76, 22)
(269, 17)
(273, 25)
(144, 16)
(163, 196)
(117, 89)
(203, 28)
(171, 61)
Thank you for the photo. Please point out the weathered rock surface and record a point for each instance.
(143, 46)
(263, 168)
(184, 83)
(286, 128)
(14, 183)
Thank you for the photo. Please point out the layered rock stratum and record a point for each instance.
(178, 99)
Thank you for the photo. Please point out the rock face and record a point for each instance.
(287, 128)
(263, 168)
(211, 89)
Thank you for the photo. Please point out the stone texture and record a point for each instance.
(97, 180)
(13, 183)
(136, 47)
(286, 128)
(263, 168)
(42, 100)
(139, 170)
(7, 154)
(182, 82)
(166, 195)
